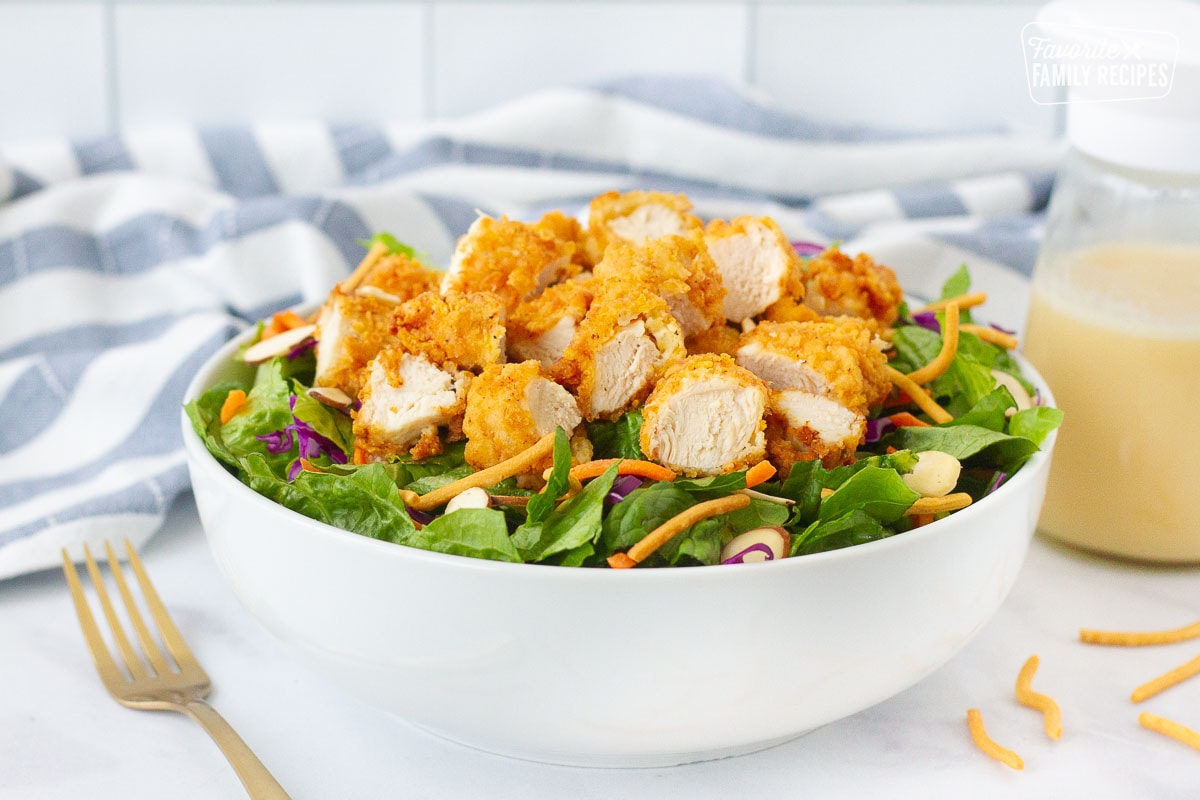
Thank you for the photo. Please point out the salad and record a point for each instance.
(644, 391)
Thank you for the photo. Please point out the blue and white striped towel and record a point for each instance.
(126, 260)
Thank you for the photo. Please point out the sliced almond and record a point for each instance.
(279, 344)
(330, 396)
(757, 544)
(475, 497)
(378, 294)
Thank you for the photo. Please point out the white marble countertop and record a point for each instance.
(62, 737)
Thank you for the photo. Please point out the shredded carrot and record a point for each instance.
(939, 505)
(945, 356)
(1166, 680)
(520, 463)
(1026, 696)
(987, 745)
(627, 466)
(287, 320)
(963, 301)
(360, 455)
(918, 395)
(677, 525)
(903, 419)
(1138, 639)
(1166, 727)
(991, 335)
(308, 466)
(273, 329)
(233, 403)
(761, 472)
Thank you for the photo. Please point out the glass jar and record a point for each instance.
(1114, 327)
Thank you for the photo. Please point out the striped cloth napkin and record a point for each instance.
(126, 260)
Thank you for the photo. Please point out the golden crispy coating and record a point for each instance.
(636, 217)
(705, 417)
(402, 277)
(351, 329)
(405, 400)
(757, 264)
(804, 427)
(679, 269)
(836, 284)
(541, 328)
(567, 229)
(509, 408)
(458, 331)
(835, 357)
(515, 260)
(717, 339)
(621, 347)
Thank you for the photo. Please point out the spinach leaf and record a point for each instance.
(431, 481)
(965, 442)
(574, 523)
(618, 439)
(853, 527)
(803, 485)
(543, 502)
(642, 510)
(879, 492)
(1035, 423)
(475, 532)
(902, 461)
(713, 486)
(989, 412)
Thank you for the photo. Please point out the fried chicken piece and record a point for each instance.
(405, 399)
(679, 269)
(622, 346)
(839, 358)
(515, 260)
(510, 407)
(802, 426)
(836, 284)
(351, 329)
(457, 331)
(636, 217)
(353, 326)
(542, 328)
(755, 260)
(718, 339)
(705, 417)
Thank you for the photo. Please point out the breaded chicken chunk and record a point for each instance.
(718, 339)
(515, 260)
(624, 343)
(839, 358)
(836, 284)
(457, 331)
(351, 329)
(636, 217)
(354, 324)
(755, 260)
(802, 426)
(679, 270)
(406, 398)
(542, 328)
(510, 407)
(705, 417)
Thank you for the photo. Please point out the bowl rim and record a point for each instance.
(199, 457)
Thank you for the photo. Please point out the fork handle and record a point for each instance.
(259, 783)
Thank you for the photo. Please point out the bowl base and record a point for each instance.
(612, 760)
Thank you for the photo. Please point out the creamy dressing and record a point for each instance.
(1115, 331)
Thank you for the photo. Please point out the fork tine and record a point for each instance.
(149, 646)
(136, 668)
(110, 673)
(166, 627)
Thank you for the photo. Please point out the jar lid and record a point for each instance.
(1130, 72)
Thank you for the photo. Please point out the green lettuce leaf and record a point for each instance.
(642, 510)
(542, 503)
(575, 523)
(1035, 423)
(964, 442)
(879, 492)
(474, 532)
(618, 439)
(854, 527)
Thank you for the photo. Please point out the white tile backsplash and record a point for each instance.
(911, 66)
(485, 53)
(80, 67)
(53, 75)
(224, 63)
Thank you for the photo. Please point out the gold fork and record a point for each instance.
(180, 687)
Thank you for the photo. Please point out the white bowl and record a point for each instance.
(602, 667)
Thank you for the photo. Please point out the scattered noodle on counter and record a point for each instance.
(1166, 727)
(1026, 696)
(1166, 681)
(1139, 638)
(987, 745)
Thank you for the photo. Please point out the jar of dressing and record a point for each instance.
(1114, 325)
